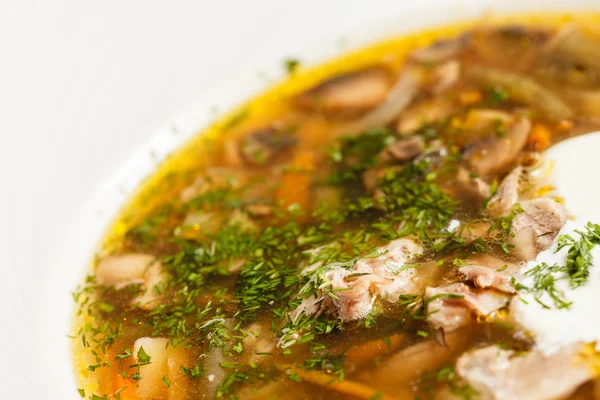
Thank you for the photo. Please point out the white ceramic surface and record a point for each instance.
(84, 91)
(575, 164)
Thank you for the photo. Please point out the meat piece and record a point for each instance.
(381, 275)
(445, 76)
(442, 303)
(486, 277)
(354, 300)
(349, 94)
(493, 262)
(136, 268)
(440, 50)
(499, 374)
(507, 195)
(261, 146)
(422, 114)
(495, 154)
(407, 149)
(542, 218)
(450, 318)
(536, 226)
(524, 242)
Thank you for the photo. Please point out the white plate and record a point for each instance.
(83, 86)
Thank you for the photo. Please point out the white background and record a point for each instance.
(85, 83)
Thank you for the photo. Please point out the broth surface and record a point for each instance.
(351, 233)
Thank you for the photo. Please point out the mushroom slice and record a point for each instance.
(398, 99)
(422, 114)
(495, 154)
(512, 47)
(129, 269)
(472, 185)
(349, 94)
(573, 45)
(405, 150)
(440, 50)
(154, 281)
(125, 269)
(478, 124)
(202, 222)
(261, 146)
(445, 76)
(525, 90)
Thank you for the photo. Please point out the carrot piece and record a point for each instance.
(470, 97)
(399, 368)
(565, 125)
(296, 182)
(540, 137)
(369, 351)
(124, 387)
(355, 389)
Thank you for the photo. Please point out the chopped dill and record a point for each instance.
(576, 270)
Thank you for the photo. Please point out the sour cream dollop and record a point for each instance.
(555, 327)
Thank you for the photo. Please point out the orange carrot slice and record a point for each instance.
(540, 137)
(124, 387)
(295, 188)
(359, 355)
(355, 389)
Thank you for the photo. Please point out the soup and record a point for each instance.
(369, 230)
